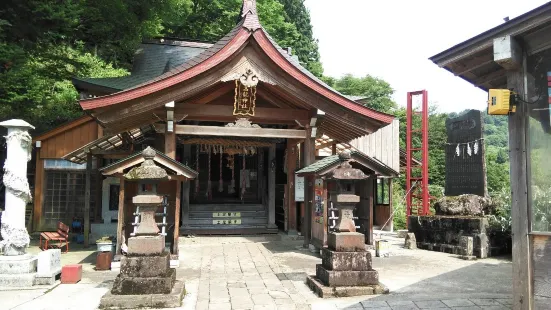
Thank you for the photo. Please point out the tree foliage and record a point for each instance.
(45, 43)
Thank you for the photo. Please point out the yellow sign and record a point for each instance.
(226, 214)
(227, 222)
(245, 99)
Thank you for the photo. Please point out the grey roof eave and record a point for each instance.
(515, 26)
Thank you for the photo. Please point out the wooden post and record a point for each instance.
(170, 144)
(120, 215)
(87, 200)
(518, 131)
(334, 149)
(390, 205)
(38, 190)
(368, 186)
(290, 198)
(309, 158)
(186, 188)
(177, 205)
(99, 191)
(271, 186)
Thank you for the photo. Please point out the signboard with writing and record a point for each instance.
(465, 164)
(226, 214)
(318, 205)
(245, 98)
(227, 222)
(299, 189)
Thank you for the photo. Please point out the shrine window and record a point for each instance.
(382, 191)
(539, 144)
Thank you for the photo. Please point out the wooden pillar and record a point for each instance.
(99, 191)
(271, 186)
(334, 149)
(87, 200)
(177, 206)
(120, 215)
(309, 158)
(390, 220)
(38, 190)
(170, 144)
(520, 212)
(290, 197)
(368, 187)
(186, 187)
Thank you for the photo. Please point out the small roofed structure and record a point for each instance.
(321, 171)
(167, 173)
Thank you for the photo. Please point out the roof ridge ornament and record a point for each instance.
(250, 16)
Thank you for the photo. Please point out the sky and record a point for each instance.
(393, 39)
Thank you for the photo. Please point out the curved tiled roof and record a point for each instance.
(249, 28)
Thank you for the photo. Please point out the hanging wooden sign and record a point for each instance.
(245, 94)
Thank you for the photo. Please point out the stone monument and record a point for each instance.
(346, 268)
(16, 267)
(146, 279)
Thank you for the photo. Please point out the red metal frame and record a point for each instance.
(417, 199)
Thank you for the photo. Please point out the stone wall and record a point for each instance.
(442, 233)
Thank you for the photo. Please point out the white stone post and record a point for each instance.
(13, 230)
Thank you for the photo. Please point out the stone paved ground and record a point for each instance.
(268, 273)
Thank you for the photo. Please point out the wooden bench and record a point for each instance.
(61, 236)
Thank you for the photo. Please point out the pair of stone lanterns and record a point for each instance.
(346, 268)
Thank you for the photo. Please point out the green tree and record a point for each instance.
(377, 92)
(305, 47)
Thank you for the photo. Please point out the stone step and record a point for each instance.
(17, 280)
(210, 214)
(226, 207)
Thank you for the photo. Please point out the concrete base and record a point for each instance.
(18, 264)
(47, 279)
(17, 280)
(468, 257)
(172, 300)
(346, 242)
(145, 266)
(346, 278)
(343, 291)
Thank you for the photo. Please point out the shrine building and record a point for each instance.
(242, 113)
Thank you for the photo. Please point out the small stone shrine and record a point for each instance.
(146, 279)
(346, 268)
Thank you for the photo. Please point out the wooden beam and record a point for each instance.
(177, 206)
(490, 77)
(538, 41)
(87, 198)
(473, 63)
(212, 94)
(202, 112)
(111, 152)
(120, 215)
(520, 212)
(194, 130)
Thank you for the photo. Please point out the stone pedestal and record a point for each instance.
(145, 281)
(346, 269)
(17, 271)
(49, 266)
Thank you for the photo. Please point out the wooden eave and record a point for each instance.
(174, 167)
(473, 59)
(345, 112)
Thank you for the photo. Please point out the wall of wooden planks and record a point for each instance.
(384, 145)
(69, 140)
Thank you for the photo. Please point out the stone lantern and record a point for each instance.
(146, 279)
(346, 268)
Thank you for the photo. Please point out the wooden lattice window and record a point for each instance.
(64, 197)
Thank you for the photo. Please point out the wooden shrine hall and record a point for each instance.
(243, 113)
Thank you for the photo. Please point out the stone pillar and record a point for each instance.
(19, 144)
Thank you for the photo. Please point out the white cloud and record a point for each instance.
(393, 40)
